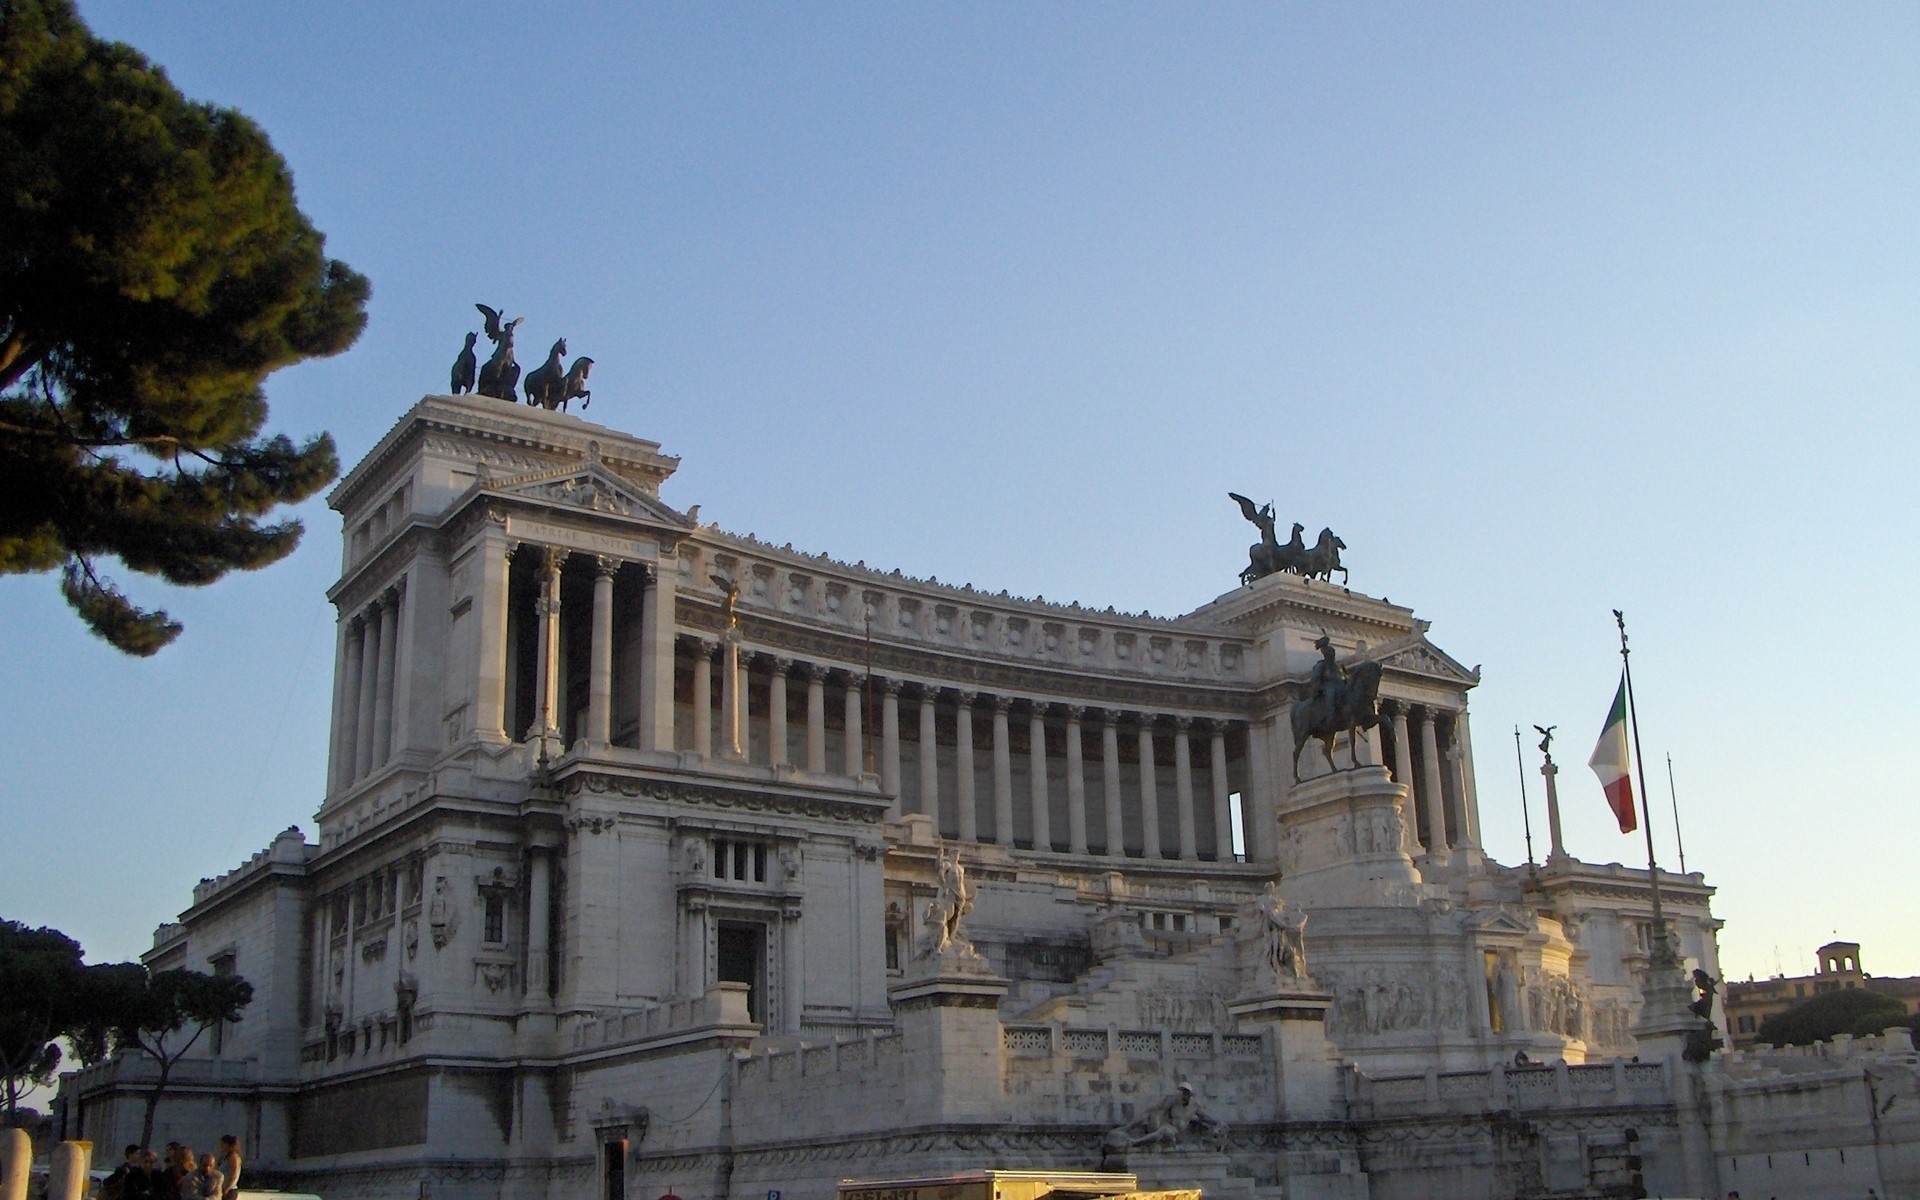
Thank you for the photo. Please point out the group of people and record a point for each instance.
(183, 1175)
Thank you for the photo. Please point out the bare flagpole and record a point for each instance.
(1662, 951)
(1675, 798)
(1526, 820)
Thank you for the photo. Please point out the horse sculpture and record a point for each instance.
(1324, 559)
(546, 383)
(572, 386)
(1356, 706)
(1268, 556)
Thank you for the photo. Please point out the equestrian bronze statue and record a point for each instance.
(1339, 700)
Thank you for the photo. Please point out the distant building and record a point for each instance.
(1751, 1002)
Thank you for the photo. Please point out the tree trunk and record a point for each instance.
(153, 1103)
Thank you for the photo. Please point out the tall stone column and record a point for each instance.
(777, 712)
(969, 824)
(546, 700)
(1149, 792)
(1183, 789)
(1076, 783)
(492, 597)
(657, 659)
(1222, 791)
(383, 716)
(1040, 816)
(539, 924)
(1110, 783)
(816, 718)
(1558, 853)
(927, 751)
(346, 766)
(1258, 804)
(854, 753)
(1002, 775)
(703, 698)
(1403, 774)
(369, 675)
(1469, 802)
(600, 654)
(1432, 799)
(890, 740)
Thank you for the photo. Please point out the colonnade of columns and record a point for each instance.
(364, 710)
(1444, 813)
(944, 784)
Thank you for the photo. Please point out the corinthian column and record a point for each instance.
(816, 718)
(777, 712)
(890, 739)
(657, 658)
(491, 600)
(346, 719)
(853, 755)
(369, 672)
(1403, 774)
(1110, 783)
(929, 755)
(703, 698)
(1076, 784)
(1041, 815)
(383, 684)
(1002, 775)
(547, 683)
(600, 666)
(969, 826)
(1432, 799)
(1149, 792)
(1222, 794)
(1183, 789)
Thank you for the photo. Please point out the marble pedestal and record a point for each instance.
(1343, 841)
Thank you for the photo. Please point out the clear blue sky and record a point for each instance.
(1546, 309)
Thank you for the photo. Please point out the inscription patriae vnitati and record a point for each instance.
(576, 539)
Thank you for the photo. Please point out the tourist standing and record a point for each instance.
(229, 1164)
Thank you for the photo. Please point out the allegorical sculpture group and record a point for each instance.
(548, 385)
(1269, 557)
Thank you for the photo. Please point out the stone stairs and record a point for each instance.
(1210, 1171)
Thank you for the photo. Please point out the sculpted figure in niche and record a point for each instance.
(696, 857)
(439, 915)
(790, 864)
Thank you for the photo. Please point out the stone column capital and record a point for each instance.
(815, 672)
(605, 566)
(1075, 712)
(888, 685)
(1109, 718)
(1001, 704)
(556, 558)
(966, 699)
(778, 664)
(1182, 723)
(1217, 726)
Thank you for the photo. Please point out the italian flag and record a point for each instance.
(1610, 762)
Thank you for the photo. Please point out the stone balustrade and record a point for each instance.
(1511, 1088)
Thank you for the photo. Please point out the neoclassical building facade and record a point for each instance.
(632, 827)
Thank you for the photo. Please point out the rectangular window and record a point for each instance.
(495, 923)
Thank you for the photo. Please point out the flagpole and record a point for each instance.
(1662, 951)
(1526, 820)
(1675, 798)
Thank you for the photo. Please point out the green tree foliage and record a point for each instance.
(40, 972)
(154, 269)
(1849, 1010)
(160, 1014)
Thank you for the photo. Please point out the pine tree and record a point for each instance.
(154, 269)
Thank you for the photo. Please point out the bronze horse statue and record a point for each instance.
(1356, 706)
(574, 384)
(546, 382)
(1324, 559)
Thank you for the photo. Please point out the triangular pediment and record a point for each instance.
(1500, 919)
(1417, 656)
(590, 487)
